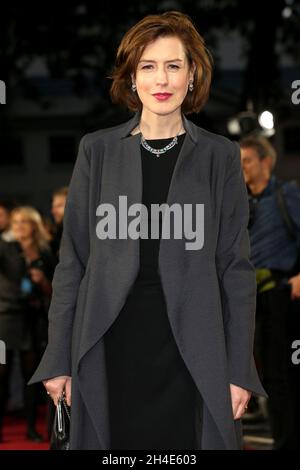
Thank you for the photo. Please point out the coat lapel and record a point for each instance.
(132, 161)
(122, 175)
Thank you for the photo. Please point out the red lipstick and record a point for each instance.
(162, 96)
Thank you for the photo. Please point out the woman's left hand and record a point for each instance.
(239, 400)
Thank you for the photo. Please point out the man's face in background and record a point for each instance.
(58, 208)
(4, 219)
(254, 168)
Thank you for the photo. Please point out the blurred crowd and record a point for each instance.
(29, 252)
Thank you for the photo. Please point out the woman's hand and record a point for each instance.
(295, 287)
(56, 386)
(239, 400)
(39, 277)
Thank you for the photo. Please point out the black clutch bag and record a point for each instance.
(60, 436)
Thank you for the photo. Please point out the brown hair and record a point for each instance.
(171, 23)
(61, 191)
(262, 147)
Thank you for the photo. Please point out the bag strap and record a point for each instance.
(284, 212)
(289, 225)
(62, 403)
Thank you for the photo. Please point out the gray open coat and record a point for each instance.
(210, 293)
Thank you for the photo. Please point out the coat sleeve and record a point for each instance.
(237, 278)
(73, 257)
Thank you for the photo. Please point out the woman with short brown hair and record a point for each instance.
(151, 334)
(148, 30)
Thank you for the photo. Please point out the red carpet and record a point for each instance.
(14, 433)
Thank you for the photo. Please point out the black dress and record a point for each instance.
(152, 396)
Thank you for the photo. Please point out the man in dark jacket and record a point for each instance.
(274, 229)
(6, 206)
(59, 198)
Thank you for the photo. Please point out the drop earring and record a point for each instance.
(133, 87)
(191, 86)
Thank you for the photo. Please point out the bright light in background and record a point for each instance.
(233, 126)
(266, 120)
(247, 122)
(287, 12)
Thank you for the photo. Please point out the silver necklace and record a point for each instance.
(158, 152)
